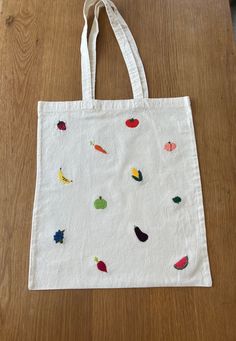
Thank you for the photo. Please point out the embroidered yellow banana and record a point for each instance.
(136, 174)
(62, 178)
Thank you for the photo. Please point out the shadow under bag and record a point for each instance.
(118, 199)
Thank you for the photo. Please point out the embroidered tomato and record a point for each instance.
(132, 123)
(169, 146)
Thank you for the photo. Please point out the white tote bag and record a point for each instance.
(118, 199)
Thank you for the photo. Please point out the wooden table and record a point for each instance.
(187, 48)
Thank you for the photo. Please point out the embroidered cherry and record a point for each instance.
(100, 264)
(169, 146)
(132, 123)
(182, 263)
(61, 125)
(140, 234)
(98, 148)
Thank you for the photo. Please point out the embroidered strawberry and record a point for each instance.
(98, 148)
(100, 264)
(182, 263)
(61, 125)
(132, 123)
(169, 146)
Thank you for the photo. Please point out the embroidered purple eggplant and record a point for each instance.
(140, 234)
(136, 174)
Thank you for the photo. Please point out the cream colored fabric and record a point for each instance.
(140, 157)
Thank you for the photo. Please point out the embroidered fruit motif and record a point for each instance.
(62, 178)
(59, 236)
(98, 148)
(177, 200)
(136, 174)
(100, 264)
(169, 146)
(100, 203)
(182, 263)
(132, 123)
(61, 125)
(140, 234)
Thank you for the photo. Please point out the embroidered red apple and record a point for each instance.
(61, 125)
(100, 264)
(132, 122)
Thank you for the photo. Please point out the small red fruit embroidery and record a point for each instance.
(98, 148)
(132, 123)
(169, 146)
(61, 125)
(100, 264)
(182, 263)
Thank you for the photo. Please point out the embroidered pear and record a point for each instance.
(100, 203)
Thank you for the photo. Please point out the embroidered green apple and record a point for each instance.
(100, 203)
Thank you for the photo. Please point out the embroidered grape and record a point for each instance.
(59, 236)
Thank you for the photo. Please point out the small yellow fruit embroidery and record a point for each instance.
(62, 178)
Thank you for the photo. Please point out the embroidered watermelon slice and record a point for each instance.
(182, 263)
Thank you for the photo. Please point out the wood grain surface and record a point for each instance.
(188, 48)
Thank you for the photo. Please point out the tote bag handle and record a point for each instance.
(127, 45)
(92, 46)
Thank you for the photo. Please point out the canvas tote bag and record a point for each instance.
(118, 199)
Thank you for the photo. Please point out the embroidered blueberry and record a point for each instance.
(136, 174)
(169, 146)
(100, 264)
(132, 123)
(100, 203)
(177, 200)
(140, 234)
(61, 125)
(181, 264)
(59, 236)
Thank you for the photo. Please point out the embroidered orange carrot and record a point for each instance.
(98, 148)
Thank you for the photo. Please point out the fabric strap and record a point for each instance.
(126, 43)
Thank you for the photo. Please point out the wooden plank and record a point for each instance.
(188, 49)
